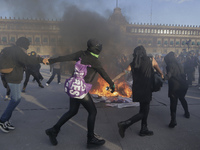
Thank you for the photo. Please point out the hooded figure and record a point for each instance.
(177, 86)
(87, 65)
(141, 68)
(94, 46)
(23, 42)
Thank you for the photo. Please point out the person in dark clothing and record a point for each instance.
(141, 69)
(189, 68)
(56, 67)
(5, 84)
(14, 78)
(87, 58)
(39, 74)
(177, 86)
(32, 69)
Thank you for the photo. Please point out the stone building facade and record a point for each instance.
(45, 38)
(43, 34)
(158, 38)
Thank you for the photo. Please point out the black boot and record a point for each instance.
(94, 141)
(173, 123)
(24, 89)
(52, 133)
(145, 131)
(40, 85)
(187, 115)
(123, 125)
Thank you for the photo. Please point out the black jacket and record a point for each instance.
(21, 59)
(176, 77)
(87, 59)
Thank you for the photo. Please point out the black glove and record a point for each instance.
(112, 89)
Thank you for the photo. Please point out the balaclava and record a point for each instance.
(23, 42)
(94, 47)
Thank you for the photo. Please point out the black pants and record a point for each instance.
(39, 76)
(190, 78)
(88, 104)
(34, 74)
(55, 71)
(173, 105)
(142, 115)
(5, 84)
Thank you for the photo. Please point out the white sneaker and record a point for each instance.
(4, 127)
(59, 83)
(47, 84)
(9, 125)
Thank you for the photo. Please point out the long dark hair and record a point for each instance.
(138, 55)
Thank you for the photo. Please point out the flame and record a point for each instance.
(121, 89)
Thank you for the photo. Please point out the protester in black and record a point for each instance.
(178, 86)
(88, 57)
(32, 69)
(141, 69)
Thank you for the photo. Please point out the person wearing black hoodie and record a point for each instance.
(89, 58)
(20, 59)
(32, 69)
(142, 69)
(177, 86)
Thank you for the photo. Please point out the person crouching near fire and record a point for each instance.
(78, 86)
(141, 69)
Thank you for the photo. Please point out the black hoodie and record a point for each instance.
(175, 76)
(87, 59)
(21, 59)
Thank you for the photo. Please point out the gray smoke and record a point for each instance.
(77, 26)
(80, 25)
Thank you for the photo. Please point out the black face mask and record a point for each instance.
(25, 47)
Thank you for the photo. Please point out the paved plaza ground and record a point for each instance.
(41, 108)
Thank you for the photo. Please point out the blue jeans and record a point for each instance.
(15, 99)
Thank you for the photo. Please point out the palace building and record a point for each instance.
(45, 38)
(43, 34)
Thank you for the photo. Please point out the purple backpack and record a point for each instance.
(75, 86)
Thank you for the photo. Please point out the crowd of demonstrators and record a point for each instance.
(78, 87)
(34, 70)
(189, 61)
(21, 59)
(56, 70)
(141, 69)
(170, 67)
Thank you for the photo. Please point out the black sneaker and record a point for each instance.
(95, 141)
(40, 85)
(3, 127)
(23, 90)
(9, 125)
(187, 115)
(52, 133)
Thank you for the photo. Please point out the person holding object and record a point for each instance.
(78, 86)
(177, 86)
(141, 69)
(14, 78)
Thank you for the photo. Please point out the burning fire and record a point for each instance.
(121, 89)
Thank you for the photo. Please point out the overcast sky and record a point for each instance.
(183, 12)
